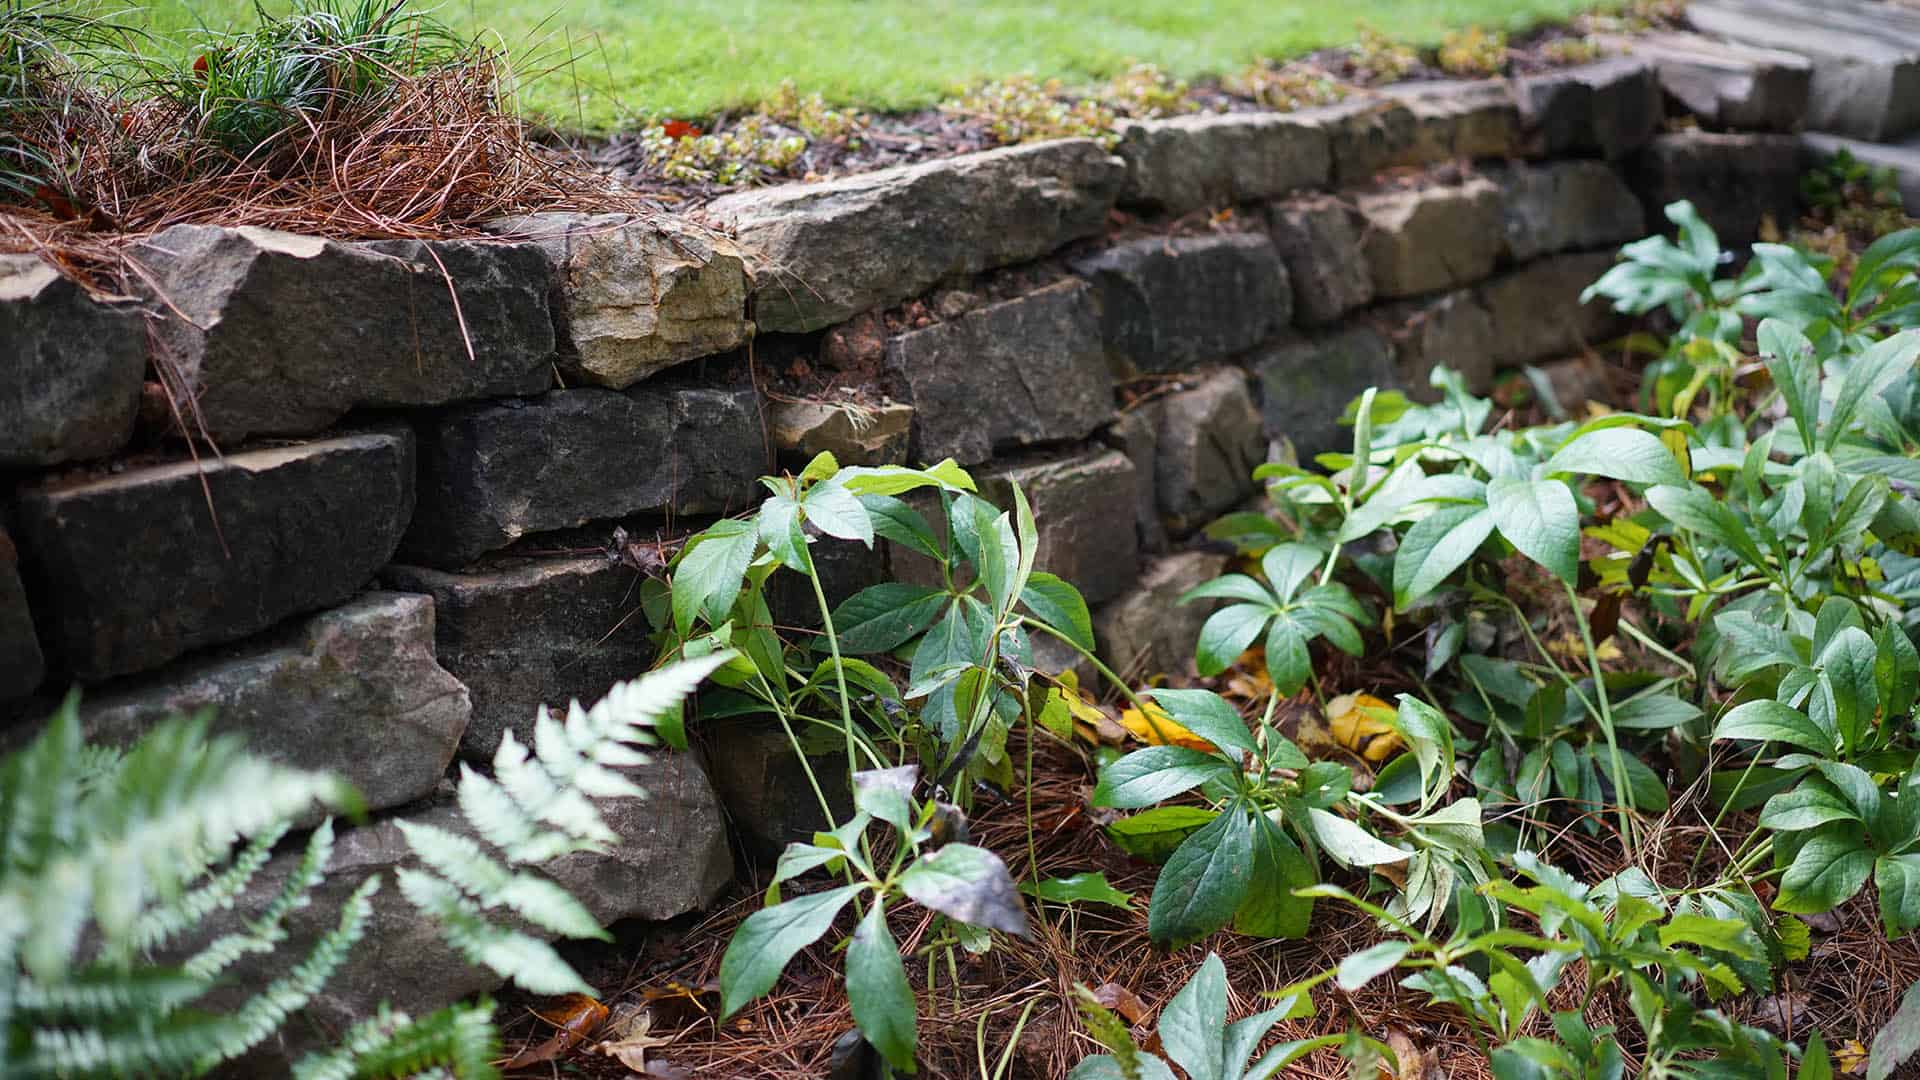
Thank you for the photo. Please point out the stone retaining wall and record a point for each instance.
(404, 547)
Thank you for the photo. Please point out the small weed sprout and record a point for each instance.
(1377, 58)
(1473, 52)
(1288, 87)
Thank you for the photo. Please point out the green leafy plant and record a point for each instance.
(1291, 617)
(1196, 1036)
(965, 883)
(1475, 52)
(1269, 813)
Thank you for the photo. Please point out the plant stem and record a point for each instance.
(839, 672)
(1620, 789)
(1105, 671)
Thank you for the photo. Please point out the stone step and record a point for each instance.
(1724, 83)
(1866, 57)
(1903, 158)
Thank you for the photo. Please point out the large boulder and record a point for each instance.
(1207, 443)
(530, 633)
(353, 691)
(1737, 182)
(280, 334)
(1147, 631)
(825, 252)
(493, 473)
(1320, 241)
(1567, 206)
(22, 664)
(1431, 238)
(1219, 159)
(1305, 385)
(1865, 57)
(73, 383)
(1028, 370)
(127, 572)
(1081, 506)
(670, 858)
(1167, 304)
(637, 295)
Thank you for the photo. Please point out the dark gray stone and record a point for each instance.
(762, 783)
(1736, 181)
(129, 571)
(532, 633)
(670, 858)
(1453, 329)
(1134, 434)
(1567, 206)
(1080, 506)
(1319, 240)
(353, 691)
(1305, 385)
(1609, 107)
(1728, 85)
(1427, 239)
(1207, 444)
(1167, 304)
(825, 252)
(73, 385)
(22, 665)
(268, 350)
(1219, 159)
(1865, 56)
(637, 295)
(1147, 632)
(1536, 314)
(1028, 370)
(491, 474)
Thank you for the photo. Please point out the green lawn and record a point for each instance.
(695, 57)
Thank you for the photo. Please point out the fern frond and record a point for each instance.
(268, 929)
(40, 789)
(105, 994)
(159, 925)
(266, 1011)
(532, 964)
(461, 861)
(459, 1040)
(498, 819)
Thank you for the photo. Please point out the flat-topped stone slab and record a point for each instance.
(1566, 206)
(1736, 181)
(1219, 159)
(1724, 83)
(491, 474)
(527, 633)
(1017, 373)
(1169, 303)
(1609, 107)
(821, 253)
(130, 571)
(1866, 56)
(353, 690)
(1319, 238)
(1082, 503)
(1305, 385)
(280, 334)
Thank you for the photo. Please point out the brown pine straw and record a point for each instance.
(436, 155)
(1852, 980)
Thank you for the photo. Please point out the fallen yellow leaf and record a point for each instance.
(1364, 724)
(1159, 729)
(1850, 1058)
